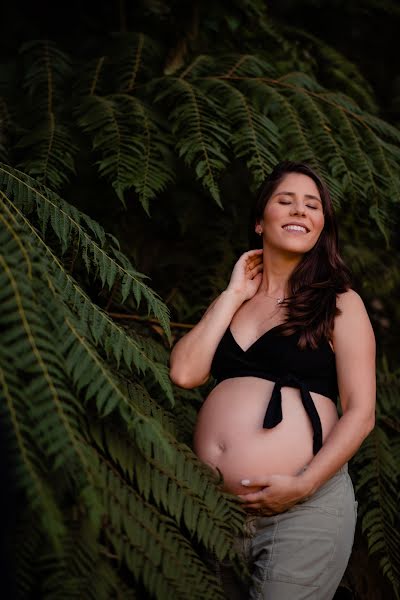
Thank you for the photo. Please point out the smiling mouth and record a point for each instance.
(296, 228)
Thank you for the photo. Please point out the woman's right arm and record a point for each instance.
(192, 355)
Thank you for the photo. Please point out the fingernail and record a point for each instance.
(245, 481)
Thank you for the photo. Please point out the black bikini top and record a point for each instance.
(278, 358)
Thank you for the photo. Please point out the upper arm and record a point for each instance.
(175, 371)
(354, 343)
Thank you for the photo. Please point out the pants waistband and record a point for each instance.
(343, 469)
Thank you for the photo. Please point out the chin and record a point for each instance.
(298, 247)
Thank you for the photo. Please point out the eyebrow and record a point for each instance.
(310, 196)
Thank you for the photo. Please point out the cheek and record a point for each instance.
(272, 213)
(319, 224)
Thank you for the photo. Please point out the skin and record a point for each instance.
(248, 305)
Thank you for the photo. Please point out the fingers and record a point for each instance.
(248, 498)
(254, 251)
(252, 255)
(251, 259)
(254, 262)
(255, 271)
(251, 263)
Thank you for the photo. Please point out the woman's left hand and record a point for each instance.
(278, 493)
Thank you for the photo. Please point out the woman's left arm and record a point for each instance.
(354, 345)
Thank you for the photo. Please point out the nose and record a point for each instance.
(298, 208)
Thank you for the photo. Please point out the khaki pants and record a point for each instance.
(300, 554)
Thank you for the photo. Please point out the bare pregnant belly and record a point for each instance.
(229, 434)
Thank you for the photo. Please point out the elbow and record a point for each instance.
(366, 423)
(182, 379)
(370, 424)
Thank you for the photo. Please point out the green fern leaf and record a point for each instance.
(134, 147)
(200, 135)
(47, 141)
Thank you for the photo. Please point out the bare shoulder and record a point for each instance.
(354, 346)
(353, 320)
(349, 301)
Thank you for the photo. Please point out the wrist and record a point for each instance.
(236, 296)
(307, 487)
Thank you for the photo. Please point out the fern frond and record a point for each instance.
(48, 147)
(200, 135)
(326, 150)
(72, 226)
(27, 338)
(29, 471)
(141, 397)
(187, 490)
(91, 78)
(133, 146)
(135, 59)
(46, 70)
(43, 416)
(94, 322)
(378, 475)
(244, 65)
(250, 126)
(152, 172)
(90, 373)
(151, 545)
(83, 570)
(294, 140)
(383, 128)
(49, 153)
(134, 350)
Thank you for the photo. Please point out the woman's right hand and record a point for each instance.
(247, 274)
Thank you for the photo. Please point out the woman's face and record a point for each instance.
(293, 217)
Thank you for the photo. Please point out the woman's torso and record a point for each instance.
(229, 434)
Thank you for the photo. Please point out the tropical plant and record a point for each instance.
(117, 504)
(106, 479)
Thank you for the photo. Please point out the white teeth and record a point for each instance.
(295, 228)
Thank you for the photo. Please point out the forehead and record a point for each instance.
(299, 184)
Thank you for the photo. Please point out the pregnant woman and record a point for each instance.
(285, 339)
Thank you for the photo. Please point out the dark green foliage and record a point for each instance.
(135, 491)
(117, 504)
(378, 469)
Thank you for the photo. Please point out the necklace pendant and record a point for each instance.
(279, 300)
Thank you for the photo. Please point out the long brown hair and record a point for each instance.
(320, 275)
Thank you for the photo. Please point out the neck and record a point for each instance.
(277, 269)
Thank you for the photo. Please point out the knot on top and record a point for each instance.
(273, 415)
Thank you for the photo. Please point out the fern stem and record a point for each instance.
(136, 65)
(199, 134)
(238, 64)
(296, 88)
(191, 66)
(127, 317)
(49, 78)
(97, 71)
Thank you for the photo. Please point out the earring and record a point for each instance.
(259, 231)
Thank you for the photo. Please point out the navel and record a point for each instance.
(221, 447)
